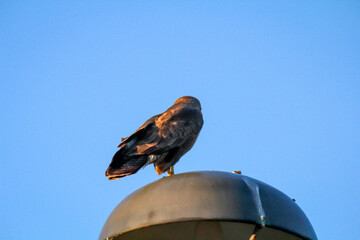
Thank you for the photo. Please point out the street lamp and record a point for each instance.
(207, 205)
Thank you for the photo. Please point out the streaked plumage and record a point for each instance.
(161, 140)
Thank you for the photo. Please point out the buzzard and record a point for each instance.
(161, 140)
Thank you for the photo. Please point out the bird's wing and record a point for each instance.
(141, 130)
(174, 128)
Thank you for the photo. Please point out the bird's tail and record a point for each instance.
(121, 166)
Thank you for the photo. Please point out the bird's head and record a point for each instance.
(189, 101)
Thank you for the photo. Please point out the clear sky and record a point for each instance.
(279, 85)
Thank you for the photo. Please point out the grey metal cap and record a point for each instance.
(231, 205)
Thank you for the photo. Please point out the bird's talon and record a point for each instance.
(170, 171)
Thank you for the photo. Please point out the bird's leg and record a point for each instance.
(170, 171)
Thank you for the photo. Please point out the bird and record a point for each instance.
(162, 140)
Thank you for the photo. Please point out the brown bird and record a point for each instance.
(161, 140)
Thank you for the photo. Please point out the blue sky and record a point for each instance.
(278, 81)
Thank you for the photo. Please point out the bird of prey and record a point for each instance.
(162, 140)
